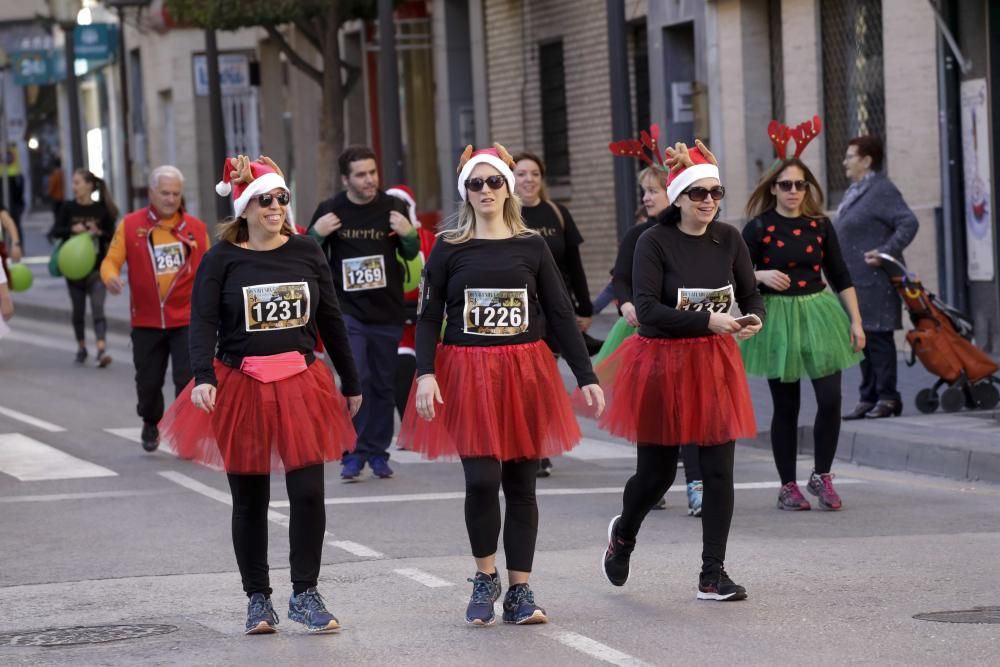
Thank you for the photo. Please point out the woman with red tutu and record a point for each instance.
(491, 394)
(258, 400)
(680, 380)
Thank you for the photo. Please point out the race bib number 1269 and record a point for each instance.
(276, 306)
(718, 300)
(496, 312)
(364, 273)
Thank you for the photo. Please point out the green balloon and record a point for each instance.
(20, 277)
(77, 256)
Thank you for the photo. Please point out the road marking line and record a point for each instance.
(592, 449)
(421, 577)
(31, 421)
(94, 495)
(134, 434)
(591, 647)
(30, 460)
(354, 548)
(50, 343)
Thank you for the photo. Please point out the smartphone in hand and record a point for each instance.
(748, 320)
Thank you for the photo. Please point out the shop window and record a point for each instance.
(555, 126)
(853, 80)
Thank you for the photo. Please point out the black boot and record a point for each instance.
(859, 411)
(886, 409)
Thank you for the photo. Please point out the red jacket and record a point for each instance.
(148, 311)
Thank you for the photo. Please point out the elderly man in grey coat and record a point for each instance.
(873, 219)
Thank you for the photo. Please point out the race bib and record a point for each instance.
(712, 300)
(168, 258)
(276, 306)
(496, 312)
(364, 273)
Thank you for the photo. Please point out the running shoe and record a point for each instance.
(150, 436)
(519, 607)
(661, 504)
(261, 618)
(351, 470)
(485, 591)
(103, 359)
(616, 558)
(821, 486)
(544, 468)
(718, 586)
(380, 467)
(308, 608)
(695, 490)
(790, 498)
(81, 355)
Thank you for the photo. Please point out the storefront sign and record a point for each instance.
(234, 73)
(976, 169)
(96, 41)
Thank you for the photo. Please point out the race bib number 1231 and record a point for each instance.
(276, 306)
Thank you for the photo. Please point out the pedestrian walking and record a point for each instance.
(873, 219)
(8, 230)
(55, 188)
(490, 393)
(361, 230)
(793, 245)
(83, 214)
(259, 402)
(162, 245)
(680, 380)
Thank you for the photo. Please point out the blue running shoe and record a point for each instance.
(380, 467)
(351, 470)
(485, 591)
(519, 607)
(695, 489)
(308, 608)
(261, 618)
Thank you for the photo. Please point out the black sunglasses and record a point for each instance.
(476, 184)
(701, 194)
(265, 199)
(788, 186)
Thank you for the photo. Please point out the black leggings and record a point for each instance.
(656, 467)
(79, 290)
(483, 478)
(785, 424)
(306, 530)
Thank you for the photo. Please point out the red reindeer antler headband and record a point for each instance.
(802, 134)
(645, 148)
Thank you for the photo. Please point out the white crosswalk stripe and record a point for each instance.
(29, 460)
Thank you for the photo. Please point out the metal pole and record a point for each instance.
(388, 95)
(621, 115)
(3, 135)
(222, 206)
(73, 98)
(123, 82)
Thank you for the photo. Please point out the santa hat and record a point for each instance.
(689, 166)
(497, 157)
(245, 180)
(406, 195)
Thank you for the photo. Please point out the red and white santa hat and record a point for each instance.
(406, 195)
(245, 180)
(691, 170)
(497, 157)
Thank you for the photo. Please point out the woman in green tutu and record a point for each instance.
(808, 333)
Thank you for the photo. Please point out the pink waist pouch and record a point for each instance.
(274, 367)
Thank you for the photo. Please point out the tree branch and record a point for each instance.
(353, 76)
(312, 72)
(307, 31)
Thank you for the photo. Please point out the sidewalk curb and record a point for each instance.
(943, 460)
(35, 311)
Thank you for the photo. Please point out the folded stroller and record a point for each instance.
(941, 339)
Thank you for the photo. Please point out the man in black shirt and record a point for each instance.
(361, 230)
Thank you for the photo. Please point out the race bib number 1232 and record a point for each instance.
(718, 300)
(276, 306)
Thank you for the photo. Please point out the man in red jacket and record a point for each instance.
(163, 246)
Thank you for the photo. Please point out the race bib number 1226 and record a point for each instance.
(496, 312)
(718, 300)
(276, 306)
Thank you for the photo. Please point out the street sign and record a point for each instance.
(96, 41)
(234, 73)
(38, 67)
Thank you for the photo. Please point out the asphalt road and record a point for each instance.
(127, 538)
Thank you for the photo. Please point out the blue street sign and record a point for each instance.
(97, 41)
(38, 67)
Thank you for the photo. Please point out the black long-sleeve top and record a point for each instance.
(71, 212)
(362, 256)
(564, 241)
(250, 303)
(679, 279)
(494, 292)
(803, 248)
(621, 275)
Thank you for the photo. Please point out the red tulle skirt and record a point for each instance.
(258, 427)
(677, 391)
(507, 402)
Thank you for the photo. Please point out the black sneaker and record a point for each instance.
(718, 586)
(485, 591)
(519, 607)
(150, 437)
(261, 618)
(81, 355)
(616, 557)
(544, 468)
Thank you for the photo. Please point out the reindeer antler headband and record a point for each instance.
(245, 179)
(802, 134)
(688, 166)
(645, 148)
(497, 157)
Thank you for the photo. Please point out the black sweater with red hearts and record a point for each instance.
(803, 248)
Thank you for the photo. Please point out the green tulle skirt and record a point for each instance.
(803, 336)
(619, 332)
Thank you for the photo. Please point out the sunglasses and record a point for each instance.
(698, 194)
(788, 186)
(265, 199)
(476, 184)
